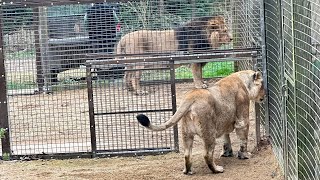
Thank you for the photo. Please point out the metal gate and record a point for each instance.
(112, 109)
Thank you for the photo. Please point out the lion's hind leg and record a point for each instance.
(187, 138)
(128, 79)
(136, 78)
(197, 76)
(227, 149)
(209, 145)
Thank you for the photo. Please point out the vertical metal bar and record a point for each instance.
(40, 77)
(44, 47)
(258, 115)
(4, 121)
(91, 111)
(174, 104)
(283, 107)
(264, 66)
(193, 7)
(256, 106)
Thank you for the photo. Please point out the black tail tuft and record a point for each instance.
(143, 120)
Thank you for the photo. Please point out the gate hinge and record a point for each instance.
(284, 90)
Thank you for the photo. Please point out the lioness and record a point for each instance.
(215, 112)
(200, 34)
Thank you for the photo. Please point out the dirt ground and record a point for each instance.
(262, 165)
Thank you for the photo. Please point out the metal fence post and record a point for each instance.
(264, 66)
(91, 111)
(174, 104)
(4, 121)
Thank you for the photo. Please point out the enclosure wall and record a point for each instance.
(292, 41)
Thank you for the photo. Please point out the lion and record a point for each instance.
(215, 112)
(196, 36)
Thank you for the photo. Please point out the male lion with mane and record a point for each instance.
(215, 112)
(198, 35)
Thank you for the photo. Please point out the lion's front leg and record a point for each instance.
(197, 76)
(242, 133)
(242, 119)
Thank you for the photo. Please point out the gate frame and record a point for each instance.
(102, 153)
(4, 120)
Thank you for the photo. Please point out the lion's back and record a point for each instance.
(149, 41)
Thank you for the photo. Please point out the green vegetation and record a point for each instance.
(21, 80)
(211, 70)
(22, 85)
(6, 156)
(2, 132)
(29, 54)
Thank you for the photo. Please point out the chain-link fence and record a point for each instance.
(293, 80)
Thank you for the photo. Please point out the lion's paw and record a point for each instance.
(244, 155)
(204, 86)
(201, 85)
(186, 172)
(227, 151)
(218, 169)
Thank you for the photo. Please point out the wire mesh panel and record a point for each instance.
(274, 70)
(293, 78)
(44, 50)
(115, 108)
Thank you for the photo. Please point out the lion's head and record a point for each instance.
(218, 31)
(203, 33)
(256, 86)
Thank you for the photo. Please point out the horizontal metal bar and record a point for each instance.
(219, 59)
(105, 151)
(35, 3)
(175, 53)
(126, 112)
(191, 58)
(100, 153)
(124, 153)
(50, 156)
(144, 69)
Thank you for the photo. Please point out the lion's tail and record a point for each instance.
(144, 120)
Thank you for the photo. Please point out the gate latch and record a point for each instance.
(284, 90)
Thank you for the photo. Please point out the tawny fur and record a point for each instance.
(198, 35)
(215, 112)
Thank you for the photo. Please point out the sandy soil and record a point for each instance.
(262, 166)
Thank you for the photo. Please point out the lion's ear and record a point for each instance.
(257, 75)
